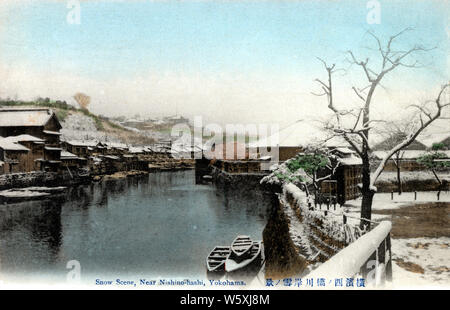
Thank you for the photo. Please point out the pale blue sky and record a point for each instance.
(208, 39)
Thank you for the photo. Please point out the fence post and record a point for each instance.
(365, 268)
(415, 195)
(389, 262)
(438, 194)
(392, 195)
(381, 252)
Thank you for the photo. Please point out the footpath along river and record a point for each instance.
(156, 226)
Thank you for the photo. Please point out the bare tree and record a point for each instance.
(394, 133)
(357, 132)
(83, 100)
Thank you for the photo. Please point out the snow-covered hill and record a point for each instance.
(79, 126)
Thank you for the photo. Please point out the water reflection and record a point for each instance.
(157, 225)
(30, 236)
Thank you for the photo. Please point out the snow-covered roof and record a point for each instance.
(49, 132)
(111, 157)
(87, 143)
(350, 161)
(300, 133)
(51, 148)
(186, 144)
(136, 149)
(24, 138)
(344, 150)
(185, 148)
(8, 145)
(96, 159)
(175, 117)
(429, 139)
(24, 117)
(68, 155)
(407, 154)
(116, 145)
(337, 142)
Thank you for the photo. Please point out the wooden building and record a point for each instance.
(287, 142)
(115, 148)
(71, 161)
(348, 176)
(36, 155)
(14, 156)
(40, 123)
(343, 185)
(31, 160)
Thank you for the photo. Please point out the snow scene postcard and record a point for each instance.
(224, 145)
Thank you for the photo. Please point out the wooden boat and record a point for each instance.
(253, 256)
(215, 262)
(241, 246)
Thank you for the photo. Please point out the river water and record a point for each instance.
(160, 225)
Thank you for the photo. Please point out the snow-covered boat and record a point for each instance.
(253, 256)
(215, 262)
(241, 246)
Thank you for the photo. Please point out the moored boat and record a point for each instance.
(253, 257)
(241, 246)
(215, 262)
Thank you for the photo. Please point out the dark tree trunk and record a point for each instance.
(366, 209)
(399, 180)
(367, 193)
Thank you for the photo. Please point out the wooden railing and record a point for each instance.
(368, 257)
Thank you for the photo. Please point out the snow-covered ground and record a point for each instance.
(80, 127)
(417, 262)
(421, 263)
(382, 201)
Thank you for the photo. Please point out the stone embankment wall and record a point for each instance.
(323, 232)
(297, 237)
(246, 181)
(39, 178)
(282, 259)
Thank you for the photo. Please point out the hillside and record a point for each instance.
(81, 124)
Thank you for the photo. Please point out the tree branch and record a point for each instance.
(413, 135)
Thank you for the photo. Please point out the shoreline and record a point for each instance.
(56, 188)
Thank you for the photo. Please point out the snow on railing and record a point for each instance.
(367, 253)
(366, 257)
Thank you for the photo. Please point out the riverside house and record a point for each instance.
(84, 149)
(13, 156)
(34, 132)
(292, 140)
